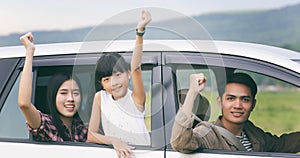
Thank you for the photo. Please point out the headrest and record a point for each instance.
(201, 105)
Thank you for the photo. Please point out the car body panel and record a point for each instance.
(51, 150)
(284, 57)
(162, 58)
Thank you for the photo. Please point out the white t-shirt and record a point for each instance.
(121, 118)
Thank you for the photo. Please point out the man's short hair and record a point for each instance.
(241, 78)
(244, 79)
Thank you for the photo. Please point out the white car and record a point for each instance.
(166, 66)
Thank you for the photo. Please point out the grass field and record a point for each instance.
(277, 112)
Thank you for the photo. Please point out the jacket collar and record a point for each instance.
(251, 132)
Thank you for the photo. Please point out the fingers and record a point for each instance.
(123, 150)
(125, 153)
(27, 41)
(198, 78)
(201, 79)
(28, 36)
(197, 82)
(146, 18)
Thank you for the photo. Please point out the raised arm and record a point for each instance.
(122, 149)
(182, 138)
(138, 94)
(197, 83)
(31, 114)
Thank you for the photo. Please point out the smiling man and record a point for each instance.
(232, 130)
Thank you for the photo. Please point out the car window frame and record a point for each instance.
(150, 58)
(11, 76)
(227, 61)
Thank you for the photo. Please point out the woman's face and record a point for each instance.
(68, 98)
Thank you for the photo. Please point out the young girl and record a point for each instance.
(63, 99)
(120, 110)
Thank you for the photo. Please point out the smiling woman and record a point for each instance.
(63, 98)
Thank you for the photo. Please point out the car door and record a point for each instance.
(14, 135)
(276, 86)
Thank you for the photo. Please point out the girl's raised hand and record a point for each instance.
(146, 18)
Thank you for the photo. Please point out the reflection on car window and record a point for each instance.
(210, 92)
(86, 77)
(277, 106)
(277, 101)
(147, 76)
(12, 120)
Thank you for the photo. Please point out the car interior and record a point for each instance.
(201, 106)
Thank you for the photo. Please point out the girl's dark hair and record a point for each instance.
(54, 83)
(108, 64)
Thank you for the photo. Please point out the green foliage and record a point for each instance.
(277, 112)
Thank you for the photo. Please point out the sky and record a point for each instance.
(19, 16)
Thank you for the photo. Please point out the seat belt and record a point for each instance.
(228, 135)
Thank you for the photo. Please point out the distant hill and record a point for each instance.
(278, 27)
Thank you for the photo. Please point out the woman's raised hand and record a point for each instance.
(27, 41)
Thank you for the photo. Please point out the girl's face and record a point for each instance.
(117, 84)
(68, 98)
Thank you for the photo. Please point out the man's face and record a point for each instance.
(236, 103)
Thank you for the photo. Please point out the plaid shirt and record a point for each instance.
(48, 132)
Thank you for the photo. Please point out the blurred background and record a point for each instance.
(272, 22)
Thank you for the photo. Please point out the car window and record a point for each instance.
(86, 76)
(6, 67)
(210, 92)
(147, 78)
(277, 105)
(12, 120)
(85, 73)
(277, 101)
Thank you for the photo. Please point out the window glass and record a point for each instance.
(210, 92)
(6, 66)
(86, 77)
(12, 121)
(277, 105)
(147, 78)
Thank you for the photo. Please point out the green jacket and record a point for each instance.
(206, 136)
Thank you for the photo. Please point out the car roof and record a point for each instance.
(282, 57)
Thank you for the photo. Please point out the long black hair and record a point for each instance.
(108, 64)
(54, 83)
